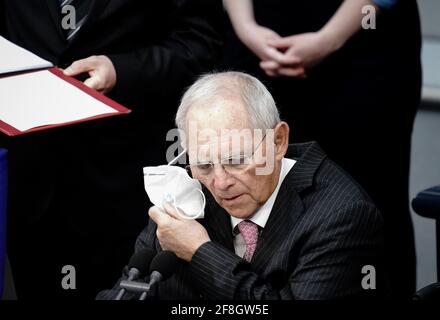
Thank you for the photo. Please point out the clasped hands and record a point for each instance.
(286, 56)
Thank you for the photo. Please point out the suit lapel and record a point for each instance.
(285, 212)
(288, 205)
(218, 223)
(55, 13)
(96, 9)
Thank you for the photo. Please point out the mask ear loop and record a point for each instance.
(176, 158)
(174, 199)
(169, 164)
(196, 216)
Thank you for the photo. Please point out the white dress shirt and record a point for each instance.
(262, 214)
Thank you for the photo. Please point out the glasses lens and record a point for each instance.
(236, 165)
(201, 170)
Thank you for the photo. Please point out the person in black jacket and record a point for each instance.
(77, 196)
(339, 83)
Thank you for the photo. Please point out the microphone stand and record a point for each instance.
(135, 286)
(133, 273)
(143, 296)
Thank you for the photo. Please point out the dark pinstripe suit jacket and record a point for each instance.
(322, 230)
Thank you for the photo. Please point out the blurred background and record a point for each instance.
(425, 164)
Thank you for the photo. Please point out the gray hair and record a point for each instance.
(261, 107)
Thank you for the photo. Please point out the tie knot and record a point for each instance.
(249, 231)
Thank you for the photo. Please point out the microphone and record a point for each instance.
(162, 267)
(138, 266)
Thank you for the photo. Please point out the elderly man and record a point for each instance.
(281, 222)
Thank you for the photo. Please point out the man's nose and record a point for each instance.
(222, 179)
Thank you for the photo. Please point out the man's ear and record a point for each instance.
(281, 139)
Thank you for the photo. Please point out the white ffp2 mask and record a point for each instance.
(173, 185)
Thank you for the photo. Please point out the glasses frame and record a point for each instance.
(212, 164)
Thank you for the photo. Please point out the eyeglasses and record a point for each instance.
(234, 165)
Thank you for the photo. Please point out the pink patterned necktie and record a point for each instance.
(249, 231)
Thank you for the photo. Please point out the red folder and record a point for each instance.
(11, 131)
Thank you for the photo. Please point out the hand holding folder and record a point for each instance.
(40, 97)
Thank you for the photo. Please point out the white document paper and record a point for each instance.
(41, 98)
(15, 59)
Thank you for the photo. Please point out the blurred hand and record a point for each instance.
(100, 69)
(257, 39)
(303, 50)
(177, 234)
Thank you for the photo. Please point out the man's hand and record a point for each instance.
(100, 69)
(177, 234)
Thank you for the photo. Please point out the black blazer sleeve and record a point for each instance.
(330, 262)
(191, 48)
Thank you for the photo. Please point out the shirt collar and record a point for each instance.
(261, 216)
